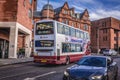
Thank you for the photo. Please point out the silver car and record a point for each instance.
(109, 52)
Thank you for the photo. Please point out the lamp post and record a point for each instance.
(98, 40)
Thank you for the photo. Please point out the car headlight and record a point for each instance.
(97, 77)
(66, 73)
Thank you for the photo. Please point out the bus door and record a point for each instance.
(58, 54)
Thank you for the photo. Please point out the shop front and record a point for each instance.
(4, 48)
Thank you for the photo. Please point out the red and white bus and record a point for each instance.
(57, 43)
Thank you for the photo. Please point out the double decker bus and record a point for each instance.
(58, 43)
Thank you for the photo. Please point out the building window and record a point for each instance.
(104, 24)
(24, 3)
(85, 27)
(65, 12)
(63, 21)
(104, 30)
(66, 21)
(115, 38)
(78, 16)
(78, 25)
(104, 38)
(30, 13)
(115, 46)
(30, 1)
(115, 31)
(71, 13)
(72, 24)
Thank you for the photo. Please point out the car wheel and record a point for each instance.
(105, 78)
(66, 78)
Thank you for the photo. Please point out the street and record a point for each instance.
(33, 71)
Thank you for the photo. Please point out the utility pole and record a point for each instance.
(48, 10)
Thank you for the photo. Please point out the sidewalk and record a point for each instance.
(4, 62)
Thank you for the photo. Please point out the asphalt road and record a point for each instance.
(33, 71)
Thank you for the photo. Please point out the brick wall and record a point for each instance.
(115, 23)
(23, 13)
(21, 41)
(8, 10)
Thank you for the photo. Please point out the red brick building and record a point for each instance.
(105, 34)
(15, 27)
(66, 15)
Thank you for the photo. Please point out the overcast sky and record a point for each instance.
(97, 8)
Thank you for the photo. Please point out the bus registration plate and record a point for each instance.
(43, 60)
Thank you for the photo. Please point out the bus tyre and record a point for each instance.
(67, 60)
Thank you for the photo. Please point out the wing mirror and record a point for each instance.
(111, 64)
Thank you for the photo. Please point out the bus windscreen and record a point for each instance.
(44, 28)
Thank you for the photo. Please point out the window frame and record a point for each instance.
(30, 13)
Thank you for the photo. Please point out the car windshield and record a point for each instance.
(93, 61)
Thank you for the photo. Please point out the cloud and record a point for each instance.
(88, 1)
(41, 3)
(104, 13)
(82, 1)
(78, 8)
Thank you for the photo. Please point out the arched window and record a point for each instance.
(30, 13)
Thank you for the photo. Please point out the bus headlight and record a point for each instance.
(35, 54)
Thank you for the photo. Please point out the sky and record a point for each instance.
(97, 8)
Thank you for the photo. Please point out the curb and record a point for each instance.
(16, 61)
(13, 63)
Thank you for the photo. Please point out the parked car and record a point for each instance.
(92, 68)
(109, 52)
(101, 50)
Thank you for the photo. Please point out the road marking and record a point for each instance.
(33, 78)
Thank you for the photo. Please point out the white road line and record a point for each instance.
(33, 78)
